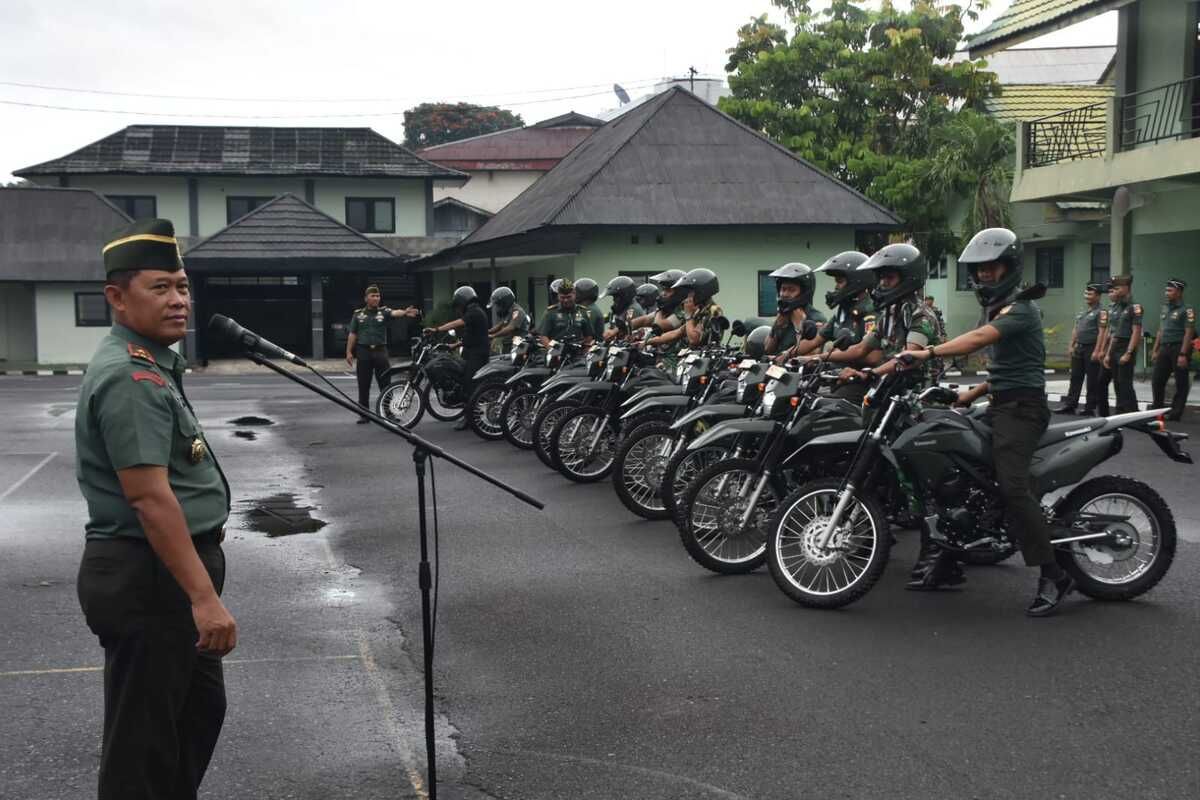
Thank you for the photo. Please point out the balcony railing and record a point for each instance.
(1166, 112)
(1146, 117)
(1066, 136)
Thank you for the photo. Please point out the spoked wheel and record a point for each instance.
(517, 415)
(483, 410)
(717, 502)
(402, 402)
(1140, 545)
(551, 412)
(682, 469)
(583, 444)
(639, 468)
(833, 573)
(444, 404)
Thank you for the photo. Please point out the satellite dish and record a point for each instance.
(622, 95)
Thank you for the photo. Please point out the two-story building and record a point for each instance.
(1137, 151)
(282, 227)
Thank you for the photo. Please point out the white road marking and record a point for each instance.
(28, 475)
(226, 662)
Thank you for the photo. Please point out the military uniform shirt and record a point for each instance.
(371, 325)
(561, 324)
(1087, 325)
(787, 336)
(900, 325)
(859, 319)
(596, 320)
(1121, 319)
(668, 352)
(519, 320)
(132, 412)
(704, 318)
(1175, 319)
(1019, 358)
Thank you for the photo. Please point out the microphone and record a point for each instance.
(226, 328)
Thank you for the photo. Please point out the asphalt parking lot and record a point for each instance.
(580, 653)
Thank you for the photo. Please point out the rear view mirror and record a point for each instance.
(809, 330)
(720, 323)
(843, 341)
(739, 328)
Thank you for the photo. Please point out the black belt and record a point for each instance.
(212, 537)
(1019, 393)
(372, 346)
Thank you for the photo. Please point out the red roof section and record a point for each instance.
(536, 147)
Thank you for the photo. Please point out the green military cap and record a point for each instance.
(1121, 280)
(1096, 287)
(1175, 283)
(146, 244)
(372, 289)
(565, 285)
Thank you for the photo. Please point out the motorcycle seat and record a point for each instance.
(1065, 430)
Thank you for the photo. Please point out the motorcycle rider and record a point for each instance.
(623, 291)
(668, 320)
(646, 298)
(1018, 414)
(794, 286)
(565, 319)
(853, 311)
(474, 322)
(700, 286)
(587, 295)
(512, 320)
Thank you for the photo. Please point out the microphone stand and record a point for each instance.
(422, 450)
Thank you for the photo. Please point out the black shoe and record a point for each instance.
(942, 572)
(1050, 593)
(361, 421)
(1065, 408)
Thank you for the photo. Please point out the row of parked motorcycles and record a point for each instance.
(756, 463)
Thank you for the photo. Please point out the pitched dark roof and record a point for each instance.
(454, 201)
(49, 234)
(570, 119)
(286, 230)
(535, 147)
(221, 150)
(676, 160)
(1028, 19)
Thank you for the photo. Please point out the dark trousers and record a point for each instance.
(472, 363)
(370, 360)
(1084, 372)
(1121, 376)
(1165, 365)
(164, 702)
(1016, 427)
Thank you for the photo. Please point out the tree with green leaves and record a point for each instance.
(864, 94)
(437, 123)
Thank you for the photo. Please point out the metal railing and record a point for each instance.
(1067, 136)
(1164, 112)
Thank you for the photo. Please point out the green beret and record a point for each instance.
(146, 244)
(372, 289)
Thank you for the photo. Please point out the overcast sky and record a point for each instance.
(536, 57)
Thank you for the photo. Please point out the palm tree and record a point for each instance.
(973, 157)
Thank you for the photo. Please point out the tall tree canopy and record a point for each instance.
(862, 93)
(437, 123)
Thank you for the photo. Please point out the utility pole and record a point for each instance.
(692, 79)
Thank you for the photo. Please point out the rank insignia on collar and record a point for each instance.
(137, 351)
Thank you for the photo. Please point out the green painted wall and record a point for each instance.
(171, 193)
(212, 193)
(409, 195)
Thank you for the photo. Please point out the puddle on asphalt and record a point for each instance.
(247, 435)
(246, 422)
(278, 515)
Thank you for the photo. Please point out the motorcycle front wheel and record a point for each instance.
(851, 563)
(1140, 548)
(483, 410)
(681, 470)
(543, 425)
(517, 415)
(716, 501)
(402, 402)
(639, 468)
(572, 449)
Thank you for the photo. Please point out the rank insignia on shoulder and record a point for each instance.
(1103, 316)
(1004, 310)
(137, 351)
(1137, 310)
(153, 377)
(1191, 315)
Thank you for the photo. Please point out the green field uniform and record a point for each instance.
(1083, 369)
(558, 323)
(595, 319)
(902, 324)
(1019, 358)
(858, 318)
(371, 325)
(668, 354)
(786, 336)
(132, 412)
(704, 318)
(1174, 321)
(1122, 317)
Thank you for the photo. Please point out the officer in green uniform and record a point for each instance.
(1173, 349)
(367, 343)
(565, 320)
(587, 297)
(152, 569)
(1124, 339)
(794, 286)
(1018, 414)
(511, 319)
(1085, 365)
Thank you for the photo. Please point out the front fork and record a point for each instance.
(864, 459)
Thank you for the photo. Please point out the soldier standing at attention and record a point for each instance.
(152, 569)
(1085, 360)
(368, 343)
(1173, 349)
(1124, 338)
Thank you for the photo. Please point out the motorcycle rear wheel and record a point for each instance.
(1104, 571)
(813, 577)
(639, 468)
(681, 470)
(715, 500)
(517, 416)
(543, 425)
(570, 443)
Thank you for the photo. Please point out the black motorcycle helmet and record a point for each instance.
(802, 276)
(903, 258)
(463, 297)
(993, 244)
(755, 343)
(502, 300)
(555, 285)
(845, 265)
(647, 296)
(666, 279)
(702, 283)
(587, 291)
(668, 300)
(622, 290)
